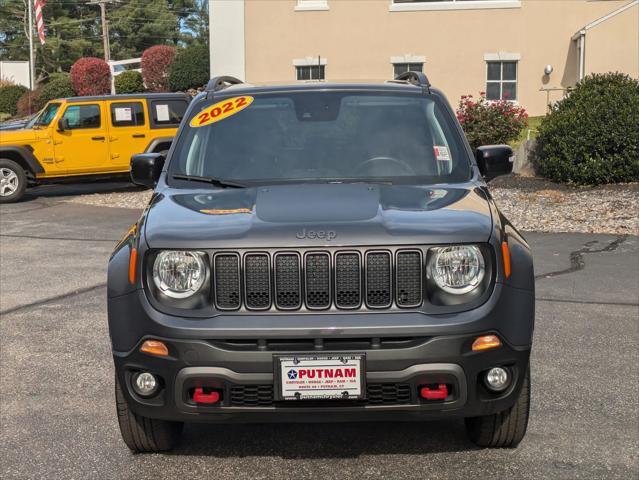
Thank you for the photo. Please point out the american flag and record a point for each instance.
(39, 20)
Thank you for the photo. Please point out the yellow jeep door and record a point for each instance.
(128, 131)
(82, 145)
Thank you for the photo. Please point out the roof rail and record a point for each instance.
(221, 82)
(416, 78)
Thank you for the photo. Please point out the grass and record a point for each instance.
(533, 125)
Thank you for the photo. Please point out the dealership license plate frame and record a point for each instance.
(325, 357)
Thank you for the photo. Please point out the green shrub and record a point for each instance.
(57, 76)
(9, 97)
(58, 88)
(591, 137)
(490, 122)
(129, 82)
(190, 68)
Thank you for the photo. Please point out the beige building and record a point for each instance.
(527, 51)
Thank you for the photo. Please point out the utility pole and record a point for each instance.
(105, 27)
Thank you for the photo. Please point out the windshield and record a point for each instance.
(47, 115)
(323, 136)
(32, 120)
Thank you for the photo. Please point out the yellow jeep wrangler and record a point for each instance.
(80, 138)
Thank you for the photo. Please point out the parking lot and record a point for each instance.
(56, 380)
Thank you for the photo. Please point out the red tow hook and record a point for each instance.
(439, 393)
(200, 397)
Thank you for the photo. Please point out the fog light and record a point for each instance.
(145, 384)
(497, 379)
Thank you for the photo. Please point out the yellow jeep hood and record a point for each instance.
(17, 136)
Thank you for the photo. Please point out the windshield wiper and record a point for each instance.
(218, 182)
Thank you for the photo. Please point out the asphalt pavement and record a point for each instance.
(57, 413)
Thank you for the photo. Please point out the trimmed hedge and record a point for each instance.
(91, 76)
(60, 87)
(9, 97)
(490, 122)
(129, 82)
(156, 62)
(190, 68)
(591, 137)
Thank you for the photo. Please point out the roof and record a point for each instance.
(608, 16)
(125, 97)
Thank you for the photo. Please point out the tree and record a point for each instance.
(196, 25)
(136, 25)
(72, 31)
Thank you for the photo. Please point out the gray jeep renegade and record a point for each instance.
(321, 252)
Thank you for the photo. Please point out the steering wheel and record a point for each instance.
(405, 167)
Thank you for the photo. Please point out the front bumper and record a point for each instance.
(394, 373)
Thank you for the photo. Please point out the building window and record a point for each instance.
(311, 5)
(399, 68)
(311, 72)
(501, 80)
(413, 5)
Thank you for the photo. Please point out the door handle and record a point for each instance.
(99, 137)
(138, 135)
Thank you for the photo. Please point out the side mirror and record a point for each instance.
(494, 160)
(63, 124)
(146, 168)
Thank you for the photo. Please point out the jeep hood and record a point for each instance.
(17, 136)
(314, 215)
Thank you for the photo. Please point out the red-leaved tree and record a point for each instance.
(91, 76)
(488, 122)
(156, 63)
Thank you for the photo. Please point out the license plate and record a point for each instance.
(320, 377)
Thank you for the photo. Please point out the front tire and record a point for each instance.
(143, 434)
(503, 429)
(13, 181)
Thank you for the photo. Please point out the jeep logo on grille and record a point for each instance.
(313, 234)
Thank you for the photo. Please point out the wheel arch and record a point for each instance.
(23, 157)
(159, 144)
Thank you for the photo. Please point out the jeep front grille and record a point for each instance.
(318, 280)
(376, 394)
(227, 281)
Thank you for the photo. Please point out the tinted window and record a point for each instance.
(167, 113)
(127, 114)
(327, 136)
(82, 116)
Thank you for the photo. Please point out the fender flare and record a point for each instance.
(156, 141)
(24, 154)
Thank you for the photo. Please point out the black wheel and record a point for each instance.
(504, 429)
(143, 434)
(13, 181)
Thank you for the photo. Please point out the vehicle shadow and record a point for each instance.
(324, 440)
(56, 191)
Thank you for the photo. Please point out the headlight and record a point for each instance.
(179, 274)
(456, 269)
